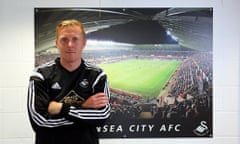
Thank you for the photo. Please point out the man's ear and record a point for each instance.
(84, 43)
(56, 43)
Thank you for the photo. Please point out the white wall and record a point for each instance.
(17, 59)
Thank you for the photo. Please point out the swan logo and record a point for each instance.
(202, 129)
(84, 83)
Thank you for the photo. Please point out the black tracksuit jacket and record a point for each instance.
(74, 124)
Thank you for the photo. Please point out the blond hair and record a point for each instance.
(70, 22)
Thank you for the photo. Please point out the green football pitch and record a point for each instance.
(142, 77)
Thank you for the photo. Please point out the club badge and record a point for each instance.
(84, 83)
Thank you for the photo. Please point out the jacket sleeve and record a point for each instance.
(91, 116)
(37, 104)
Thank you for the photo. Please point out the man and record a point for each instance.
(68, 97)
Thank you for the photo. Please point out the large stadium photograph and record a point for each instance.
(158, 63)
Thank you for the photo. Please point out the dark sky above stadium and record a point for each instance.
(136, 32)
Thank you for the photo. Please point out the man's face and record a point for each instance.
(70, 42)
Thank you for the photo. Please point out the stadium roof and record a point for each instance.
(189, 27)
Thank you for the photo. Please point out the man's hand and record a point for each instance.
(96, 101)
(54, 107)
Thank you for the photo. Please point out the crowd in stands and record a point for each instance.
(191, 90)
